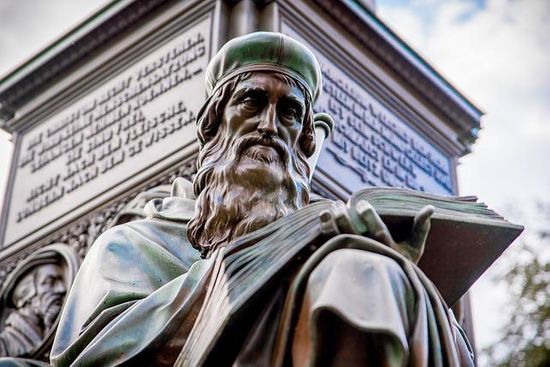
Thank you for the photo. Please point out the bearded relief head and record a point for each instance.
(256, 132)
(32, 299)
(40, 292)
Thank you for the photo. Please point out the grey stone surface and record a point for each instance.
(142, 115)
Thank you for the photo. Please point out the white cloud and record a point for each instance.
(26, 26)
(498, 52)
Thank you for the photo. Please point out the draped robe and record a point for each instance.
(352, 301)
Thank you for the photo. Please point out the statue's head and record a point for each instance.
(41, 292)
(33, 294)
(39, 283)
(256, 133)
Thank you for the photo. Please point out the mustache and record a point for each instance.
(50, 300)
(279, 145)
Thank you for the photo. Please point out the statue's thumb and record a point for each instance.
(421, 226)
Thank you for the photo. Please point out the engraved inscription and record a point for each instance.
(370, 145)
(131, 122)
(374, 144)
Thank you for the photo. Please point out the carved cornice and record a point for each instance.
(95, 32)
(396, 54)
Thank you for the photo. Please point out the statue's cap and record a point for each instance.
(264, 51)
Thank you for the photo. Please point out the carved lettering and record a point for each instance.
(112, 132)
(375, 144)
(95, 126)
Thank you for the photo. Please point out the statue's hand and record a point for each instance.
(413, 246)
(363, 219)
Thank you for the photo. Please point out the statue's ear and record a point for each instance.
(323, 124)
(323, 121)
(307, 137)
(207, 121)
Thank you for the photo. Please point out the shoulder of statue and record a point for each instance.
(164, 228)
(178, 207)
(143, 241)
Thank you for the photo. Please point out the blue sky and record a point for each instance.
(496, 51)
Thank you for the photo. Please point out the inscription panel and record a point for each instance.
(133, 121)
(370, 145)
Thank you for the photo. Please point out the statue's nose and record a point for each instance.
(59, 287)
(268, 124)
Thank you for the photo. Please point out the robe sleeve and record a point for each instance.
(136, 283)
(358, 302)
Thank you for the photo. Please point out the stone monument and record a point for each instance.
(105, 118)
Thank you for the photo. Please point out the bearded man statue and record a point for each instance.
(245, 266)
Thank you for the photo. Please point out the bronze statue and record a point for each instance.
(257, 270)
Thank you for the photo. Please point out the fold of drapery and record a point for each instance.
(135, 288)
(142, 286)
(355, 301)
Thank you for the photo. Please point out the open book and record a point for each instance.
(465, 238)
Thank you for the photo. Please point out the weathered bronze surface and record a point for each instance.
(256, 270)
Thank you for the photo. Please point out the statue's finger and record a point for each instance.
(376, 228)
(421, 226)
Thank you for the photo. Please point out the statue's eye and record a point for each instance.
(48, 281)
(291, 113)
(250, 102)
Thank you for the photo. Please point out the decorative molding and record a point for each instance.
(71, 49)
(351, 15)
(81, 234)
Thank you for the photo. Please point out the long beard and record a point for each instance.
(48, 306)
(238, 193)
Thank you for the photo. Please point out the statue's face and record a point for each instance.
(252, 169)
(50, 291)
(266, 106)
(41, 292)
(49, 280)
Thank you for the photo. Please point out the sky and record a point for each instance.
(496, 51)
(27, 26)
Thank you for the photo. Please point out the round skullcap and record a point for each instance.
(264, 51)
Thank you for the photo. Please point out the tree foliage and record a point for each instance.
(525, 338)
